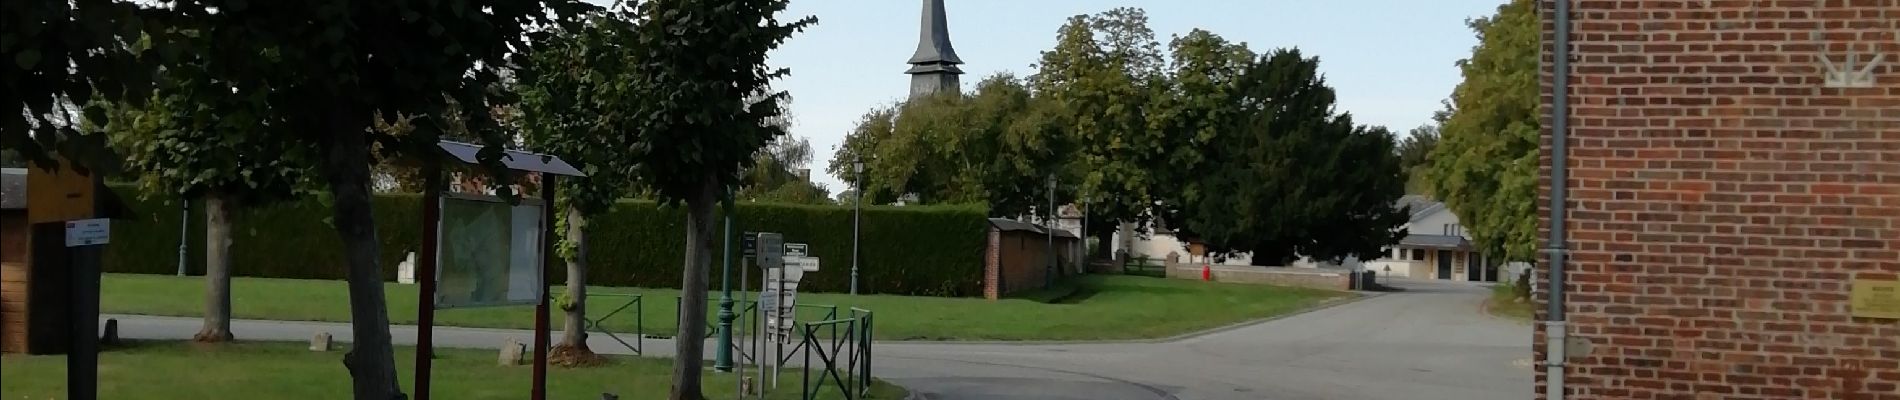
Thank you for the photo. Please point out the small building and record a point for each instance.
(13, 259)
(1437, 247)
(1018, 257)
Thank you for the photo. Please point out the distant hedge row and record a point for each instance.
(931, 251)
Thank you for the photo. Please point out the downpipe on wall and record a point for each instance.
(1555, 326)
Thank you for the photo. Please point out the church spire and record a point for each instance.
(934, 65)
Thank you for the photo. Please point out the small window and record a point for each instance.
(1418, 254)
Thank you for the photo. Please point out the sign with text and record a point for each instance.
(88, 232)
(771, 250)
(488, 251)
(797, 250)
(779, 302)
(806, 264)
(1875, 299)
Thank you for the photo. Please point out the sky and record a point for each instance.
(1390, 61)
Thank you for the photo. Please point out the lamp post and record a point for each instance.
(722, 356)
(184, 233)
(857, 214)
(1049, 226)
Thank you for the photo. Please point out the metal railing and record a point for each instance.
(633, 304)
(851, 350)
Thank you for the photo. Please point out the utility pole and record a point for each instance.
(1049, 226)
(722, 356)
(184, 230)
(857, 214)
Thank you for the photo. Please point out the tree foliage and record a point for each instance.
(1415, 157)
(59, 55)
(1195, 110)
(1485, 167)
(331, 69)
(705, 107)
(1296, 178)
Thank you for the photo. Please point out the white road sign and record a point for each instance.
(88, 232)
(807, 264)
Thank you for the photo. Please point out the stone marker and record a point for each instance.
(511, 353)
(320, 342)
(111, 335)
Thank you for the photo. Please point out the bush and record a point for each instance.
(933, 250)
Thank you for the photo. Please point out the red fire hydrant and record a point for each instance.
(1207, 273)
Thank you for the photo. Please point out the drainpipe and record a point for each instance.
(1555, 328)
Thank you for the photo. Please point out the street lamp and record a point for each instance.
(857, 213)
(1048, 221)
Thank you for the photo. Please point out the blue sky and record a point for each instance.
(1391, 61)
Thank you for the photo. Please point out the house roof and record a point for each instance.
(12, 188)
(1419, 206)
(1435, 241)
(1005, 224)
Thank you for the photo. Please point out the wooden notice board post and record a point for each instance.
(65, 209)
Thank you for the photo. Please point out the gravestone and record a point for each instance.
(320, 342)
(511, 353)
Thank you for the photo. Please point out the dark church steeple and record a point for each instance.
(934, 65)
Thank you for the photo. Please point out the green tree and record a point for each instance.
(780, 173)
(58, 55)
(1197, 108)
(704, 109)
(1104, 71)
(992, 147)
(1415, 157)
(189, 148)
(332, 68)
(1298, 179)
(571, 100)
(1485, 167)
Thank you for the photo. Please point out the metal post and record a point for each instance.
(1049, 226)
(857, 214)
(82, 365)
(1554, 328)
(425, 274)
(184, 230)
(722, 356)
(541, 310)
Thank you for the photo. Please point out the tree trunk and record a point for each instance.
(573, 351)
(371, 360)
(689, 360)
(217, 314)
(1104, 239)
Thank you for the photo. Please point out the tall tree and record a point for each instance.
(704, 110)
(992, 146)
(1196, 109)
(1104, 71)
(189, 149)
(1485, 168)
(1298, 179)
(780, 173)
(333, 67)
(1415, 157)
(571, 100)
(58, 55)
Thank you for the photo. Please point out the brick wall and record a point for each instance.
(1722, 199)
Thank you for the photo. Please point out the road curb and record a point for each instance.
(1356, 297)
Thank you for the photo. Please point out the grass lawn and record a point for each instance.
(1093, 308)
(255, 370)
(1504, 304)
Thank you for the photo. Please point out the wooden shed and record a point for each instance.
(14, 232)
(36, 279)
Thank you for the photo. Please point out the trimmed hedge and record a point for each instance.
(931, 250)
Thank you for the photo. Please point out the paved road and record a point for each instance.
(1429, 342)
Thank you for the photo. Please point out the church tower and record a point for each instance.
(934, 65)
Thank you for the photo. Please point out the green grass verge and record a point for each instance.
(1100, 308)
(255, 370)
(1504, 304)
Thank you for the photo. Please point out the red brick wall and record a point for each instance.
(1721, 199)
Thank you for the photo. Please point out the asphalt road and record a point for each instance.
(1429, 342)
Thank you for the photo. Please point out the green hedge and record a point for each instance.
(933, 251)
